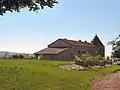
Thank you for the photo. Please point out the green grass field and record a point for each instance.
(45, 75)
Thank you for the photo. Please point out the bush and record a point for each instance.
(89, 60)
(18, 56)
(108, 62)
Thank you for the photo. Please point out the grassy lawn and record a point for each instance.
(45, 75)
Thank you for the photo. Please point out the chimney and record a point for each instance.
(85, 41)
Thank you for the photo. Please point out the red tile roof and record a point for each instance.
(78, 43)
(51, 51)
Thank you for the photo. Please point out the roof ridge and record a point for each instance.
(77, 43)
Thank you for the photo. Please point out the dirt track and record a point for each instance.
(109, 82)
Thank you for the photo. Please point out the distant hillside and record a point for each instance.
(6, 54)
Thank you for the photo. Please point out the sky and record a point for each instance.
(78, 20)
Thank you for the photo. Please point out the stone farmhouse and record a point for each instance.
(64, 49)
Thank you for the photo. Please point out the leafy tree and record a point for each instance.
(17, 5)
(115, 47)
(18, 56)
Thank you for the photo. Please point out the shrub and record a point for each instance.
(89, 60)
(18, 56)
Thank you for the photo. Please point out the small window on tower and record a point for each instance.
(79, 52)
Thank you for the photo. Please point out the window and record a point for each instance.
(101, 50)
(79, 52)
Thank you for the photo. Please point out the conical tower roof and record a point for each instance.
(96, 41)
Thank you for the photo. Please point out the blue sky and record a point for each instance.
(80, 19)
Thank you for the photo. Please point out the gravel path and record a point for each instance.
(109, 82)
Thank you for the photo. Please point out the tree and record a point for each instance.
(17, 5)
(18, 56)
(115, 47)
